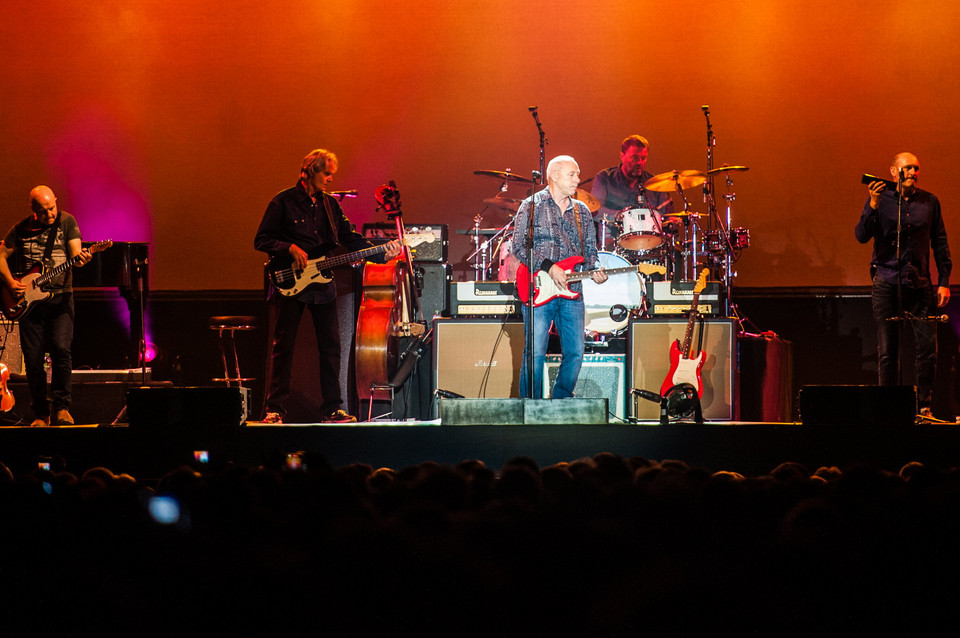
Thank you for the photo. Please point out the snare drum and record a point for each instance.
(623, 289)
(639, 229)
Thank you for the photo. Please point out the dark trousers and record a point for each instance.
(919, 302)
(326, 325)
(48, 327)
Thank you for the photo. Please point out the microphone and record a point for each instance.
(618, 312)
(647, 394)
(939, 318)
(532, 109)
(902, 175)
(446, 394)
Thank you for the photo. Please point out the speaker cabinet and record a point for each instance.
(649, 350)
(602, 376)
(478, 358)
(179, 409)
(433, 285)
(840, 405)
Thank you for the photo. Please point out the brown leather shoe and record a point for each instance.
(41, 422)
(63, 418)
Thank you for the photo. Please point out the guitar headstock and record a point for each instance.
(100, 245)
(650, 269)
(415, 239)
(701, 281)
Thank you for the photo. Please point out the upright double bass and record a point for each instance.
(388, 309)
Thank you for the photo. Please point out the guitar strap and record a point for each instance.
(576, 216)
(333, 223)
(51, 240)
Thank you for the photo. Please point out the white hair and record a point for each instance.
(555, 164)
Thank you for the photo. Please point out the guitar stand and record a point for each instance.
(680, 402)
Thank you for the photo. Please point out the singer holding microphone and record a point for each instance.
(301, 223)
(921, 231)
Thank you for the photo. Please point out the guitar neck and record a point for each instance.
(348, 258)
(53, 272)
(577, 276)
(688, 336)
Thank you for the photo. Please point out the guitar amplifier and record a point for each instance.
(435, 251)
(665, 298)
(484, 299)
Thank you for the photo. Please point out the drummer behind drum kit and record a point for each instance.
(679, 242)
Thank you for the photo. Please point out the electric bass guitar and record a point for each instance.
(290, 280)
(16, 304)
(684, 367)
(544, 288)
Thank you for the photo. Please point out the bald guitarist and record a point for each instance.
(562, 229)
(50, 237)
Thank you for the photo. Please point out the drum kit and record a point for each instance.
(683, 242)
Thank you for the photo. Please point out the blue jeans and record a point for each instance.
(567, 316)
(919, 302)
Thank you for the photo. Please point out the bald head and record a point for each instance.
(907, 167)
(43, 203)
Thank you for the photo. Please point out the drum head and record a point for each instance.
(624, 289)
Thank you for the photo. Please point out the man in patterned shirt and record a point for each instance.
(562, 228)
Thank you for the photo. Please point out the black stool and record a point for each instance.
(226, 327)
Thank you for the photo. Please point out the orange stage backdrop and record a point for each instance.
(175, 122)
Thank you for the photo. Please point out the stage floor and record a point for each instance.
(750, 448)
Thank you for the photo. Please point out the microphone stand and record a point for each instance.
(529, 331)
(900, 316)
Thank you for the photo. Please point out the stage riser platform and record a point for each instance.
(750, 449)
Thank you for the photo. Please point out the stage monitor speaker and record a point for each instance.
(858, 405)
(10, 352)
(478, 358)
(650, 341)
(602, 376)
(177, 409)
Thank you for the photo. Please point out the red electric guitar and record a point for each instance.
(684, 367)
(544, 289)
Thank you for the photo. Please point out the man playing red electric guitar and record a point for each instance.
(562, 229)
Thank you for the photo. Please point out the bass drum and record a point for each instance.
(607, 306)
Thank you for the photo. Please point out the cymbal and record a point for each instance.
(587, 198)
(505, 175)
(728, 169)
(684, 213)
(503, 203)
(667, 182)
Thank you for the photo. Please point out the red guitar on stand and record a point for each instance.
(684, 367)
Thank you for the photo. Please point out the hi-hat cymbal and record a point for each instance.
(728, 169)
(587, 198)
(507, 175)
(504, 203)
(669, 181)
